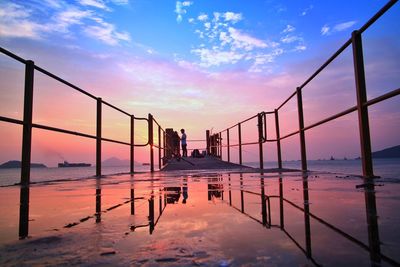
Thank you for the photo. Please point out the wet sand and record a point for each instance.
(201, 218)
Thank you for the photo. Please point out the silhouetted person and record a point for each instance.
(175, 139)
(184, 144)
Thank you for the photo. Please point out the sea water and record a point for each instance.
(384, 168)
(12, 176)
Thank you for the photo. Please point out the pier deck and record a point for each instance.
(206, 163)
(212, 163)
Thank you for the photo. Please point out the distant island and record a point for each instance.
(391, 152)
(13, 164)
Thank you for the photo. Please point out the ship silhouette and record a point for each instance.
(67, 164)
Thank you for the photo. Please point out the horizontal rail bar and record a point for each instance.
(196, 140)
(64, 82)
(383, 97)
(289, 135)
(115, 141)
(156, 122)
(377, 15)
(287, 100)
(10, 120)
(54, 129)
(246, 120)
(140, 119)
(333, 117)
(114, 107)
(12, 55)
(323, 66)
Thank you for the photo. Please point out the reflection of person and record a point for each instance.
(184, 144)
(175, 139)
(184, 191)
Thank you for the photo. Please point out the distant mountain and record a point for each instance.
(116, 162)
(17, 164)
(391, 152)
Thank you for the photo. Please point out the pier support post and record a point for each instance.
(151, 142)
(228, 145)
(240, 143)
(98, 138)
(260, 140)
(278, 140)
(362, 109)
(26, 150)
(301, 129)
(208, 142)
(132, 153)
(159, 147)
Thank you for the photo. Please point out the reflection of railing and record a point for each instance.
(373, 247)
(215, 146)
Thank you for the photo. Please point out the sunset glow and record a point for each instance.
(196, 65)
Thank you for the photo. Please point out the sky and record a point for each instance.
(197, 65)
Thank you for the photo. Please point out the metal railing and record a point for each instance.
(215, 144)
(28, 125)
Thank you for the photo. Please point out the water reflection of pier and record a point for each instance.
(216, 185)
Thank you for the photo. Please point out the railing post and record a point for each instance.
(260, 140)
(278, 139)
(220, 145)
(165, 147)
(208, 142)
(26, 150)
(151, 142)
(98, 138)
(240, 143)
(159, 147)
(132, 154)
(301, 128)
(365, 139)
(228, 145)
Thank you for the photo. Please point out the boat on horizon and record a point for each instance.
(67, 164)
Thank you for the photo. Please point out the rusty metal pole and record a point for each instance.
(301, 128)
(26, 150)
(132, 154)
(228, 145)
(260, 140)
(151, 142)
(159, 147)
(220, 145)
(208, 142)
(98, 138)
(240, 143)
(365, 139)
(164, 148)
(278, 139)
